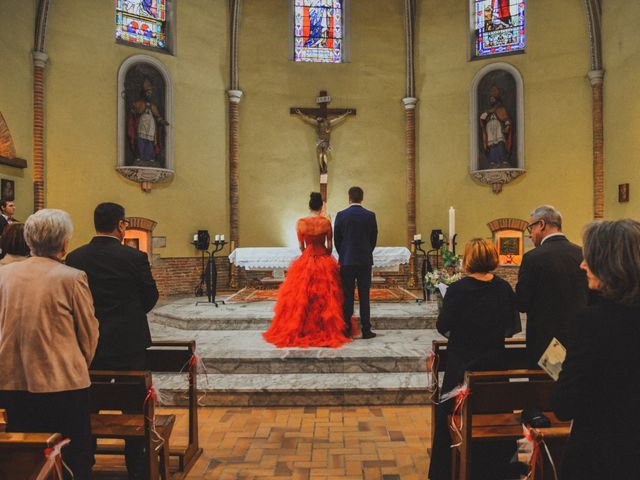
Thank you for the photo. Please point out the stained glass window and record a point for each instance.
(142, 22)
(318, 31)
(498, 26)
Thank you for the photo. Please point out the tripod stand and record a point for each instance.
(209, 278)
(426, 267)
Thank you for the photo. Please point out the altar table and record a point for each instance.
(279, 258)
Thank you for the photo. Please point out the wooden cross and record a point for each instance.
(323, 119)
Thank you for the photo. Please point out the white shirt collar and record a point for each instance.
(557, 234)
(352, 204)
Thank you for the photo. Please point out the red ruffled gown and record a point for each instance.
(308, 311)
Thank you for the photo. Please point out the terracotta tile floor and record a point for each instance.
(385, 443)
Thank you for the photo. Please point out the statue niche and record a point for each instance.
(496, 125)
(144, 121)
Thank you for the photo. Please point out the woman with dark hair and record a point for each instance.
(308, 312)
(14, 248)
(599, 386)
(478, 312)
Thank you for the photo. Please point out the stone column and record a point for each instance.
(410, 139)
(39, 63)
(596, 77)
(234, 212)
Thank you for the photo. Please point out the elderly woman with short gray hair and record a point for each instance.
(599, 386)
(48, 336)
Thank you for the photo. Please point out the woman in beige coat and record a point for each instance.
(48, 335)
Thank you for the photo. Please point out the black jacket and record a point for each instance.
(123, 292)
(599, 389)
(551, 289)
(355, 235)
(3, 223)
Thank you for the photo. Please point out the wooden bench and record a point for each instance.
(22, 456)
(179, 357)
(491, 412)
(515, 359)
(130, 392)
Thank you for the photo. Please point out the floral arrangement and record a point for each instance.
(432, 279)
(449, 273)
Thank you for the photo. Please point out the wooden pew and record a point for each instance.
(515, 359)
(491, 412)
(130, 392)
(22, 455)
(176, 357)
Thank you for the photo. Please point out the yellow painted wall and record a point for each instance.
(81, 130)
(557, 106)
(16, 99)
(278, 164)
(621, 106)
(277, 151)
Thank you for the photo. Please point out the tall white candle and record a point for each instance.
(217, 238)
(222, 238)
(452, 225)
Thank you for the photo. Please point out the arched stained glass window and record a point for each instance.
(143, 23)
(318, 31)
(498, 27)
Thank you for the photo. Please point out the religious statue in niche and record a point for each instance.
(144, 98)
(496, 97)
(323, 126)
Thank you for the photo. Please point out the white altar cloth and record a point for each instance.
(271, 258)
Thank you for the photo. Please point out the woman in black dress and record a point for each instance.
(599, 386)
(478, 312)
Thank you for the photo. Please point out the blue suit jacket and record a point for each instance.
(355, 235)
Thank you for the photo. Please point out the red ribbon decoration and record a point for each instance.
(536, 455)
(461, 396)
(54, 461)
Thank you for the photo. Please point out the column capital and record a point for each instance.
(39, 58)
(409, 103)
(235, 95)
(596, 77)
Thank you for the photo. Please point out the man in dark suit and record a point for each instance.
(355, 237)
(123, 292)
(552, 288)
(7, 209)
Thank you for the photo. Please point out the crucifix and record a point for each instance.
(323, 119)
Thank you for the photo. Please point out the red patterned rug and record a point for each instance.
(391, 295)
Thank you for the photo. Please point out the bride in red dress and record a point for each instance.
(308, 311)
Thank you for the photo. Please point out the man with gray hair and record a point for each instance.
(551, 286)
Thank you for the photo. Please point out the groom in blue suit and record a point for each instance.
(355, 236)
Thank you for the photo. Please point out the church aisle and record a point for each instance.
(372, 443)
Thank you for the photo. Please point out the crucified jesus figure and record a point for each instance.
(323, 126)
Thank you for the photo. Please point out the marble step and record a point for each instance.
(187, 315)
(246, 352)
(297, 389)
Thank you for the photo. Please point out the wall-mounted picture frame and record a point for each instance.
(7, 189)
(623, 192)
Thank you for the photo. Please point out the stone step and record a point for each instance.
(388, 364)
(187, 315)
(297, 389)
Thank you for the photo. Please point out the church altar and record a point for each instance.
(279, 258)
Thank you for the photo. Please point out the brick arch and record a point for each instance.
(142, 223)
(7, 147)
(507, 224)
(140, 230)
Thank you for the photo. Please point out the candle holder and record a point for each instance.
(209, 277)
